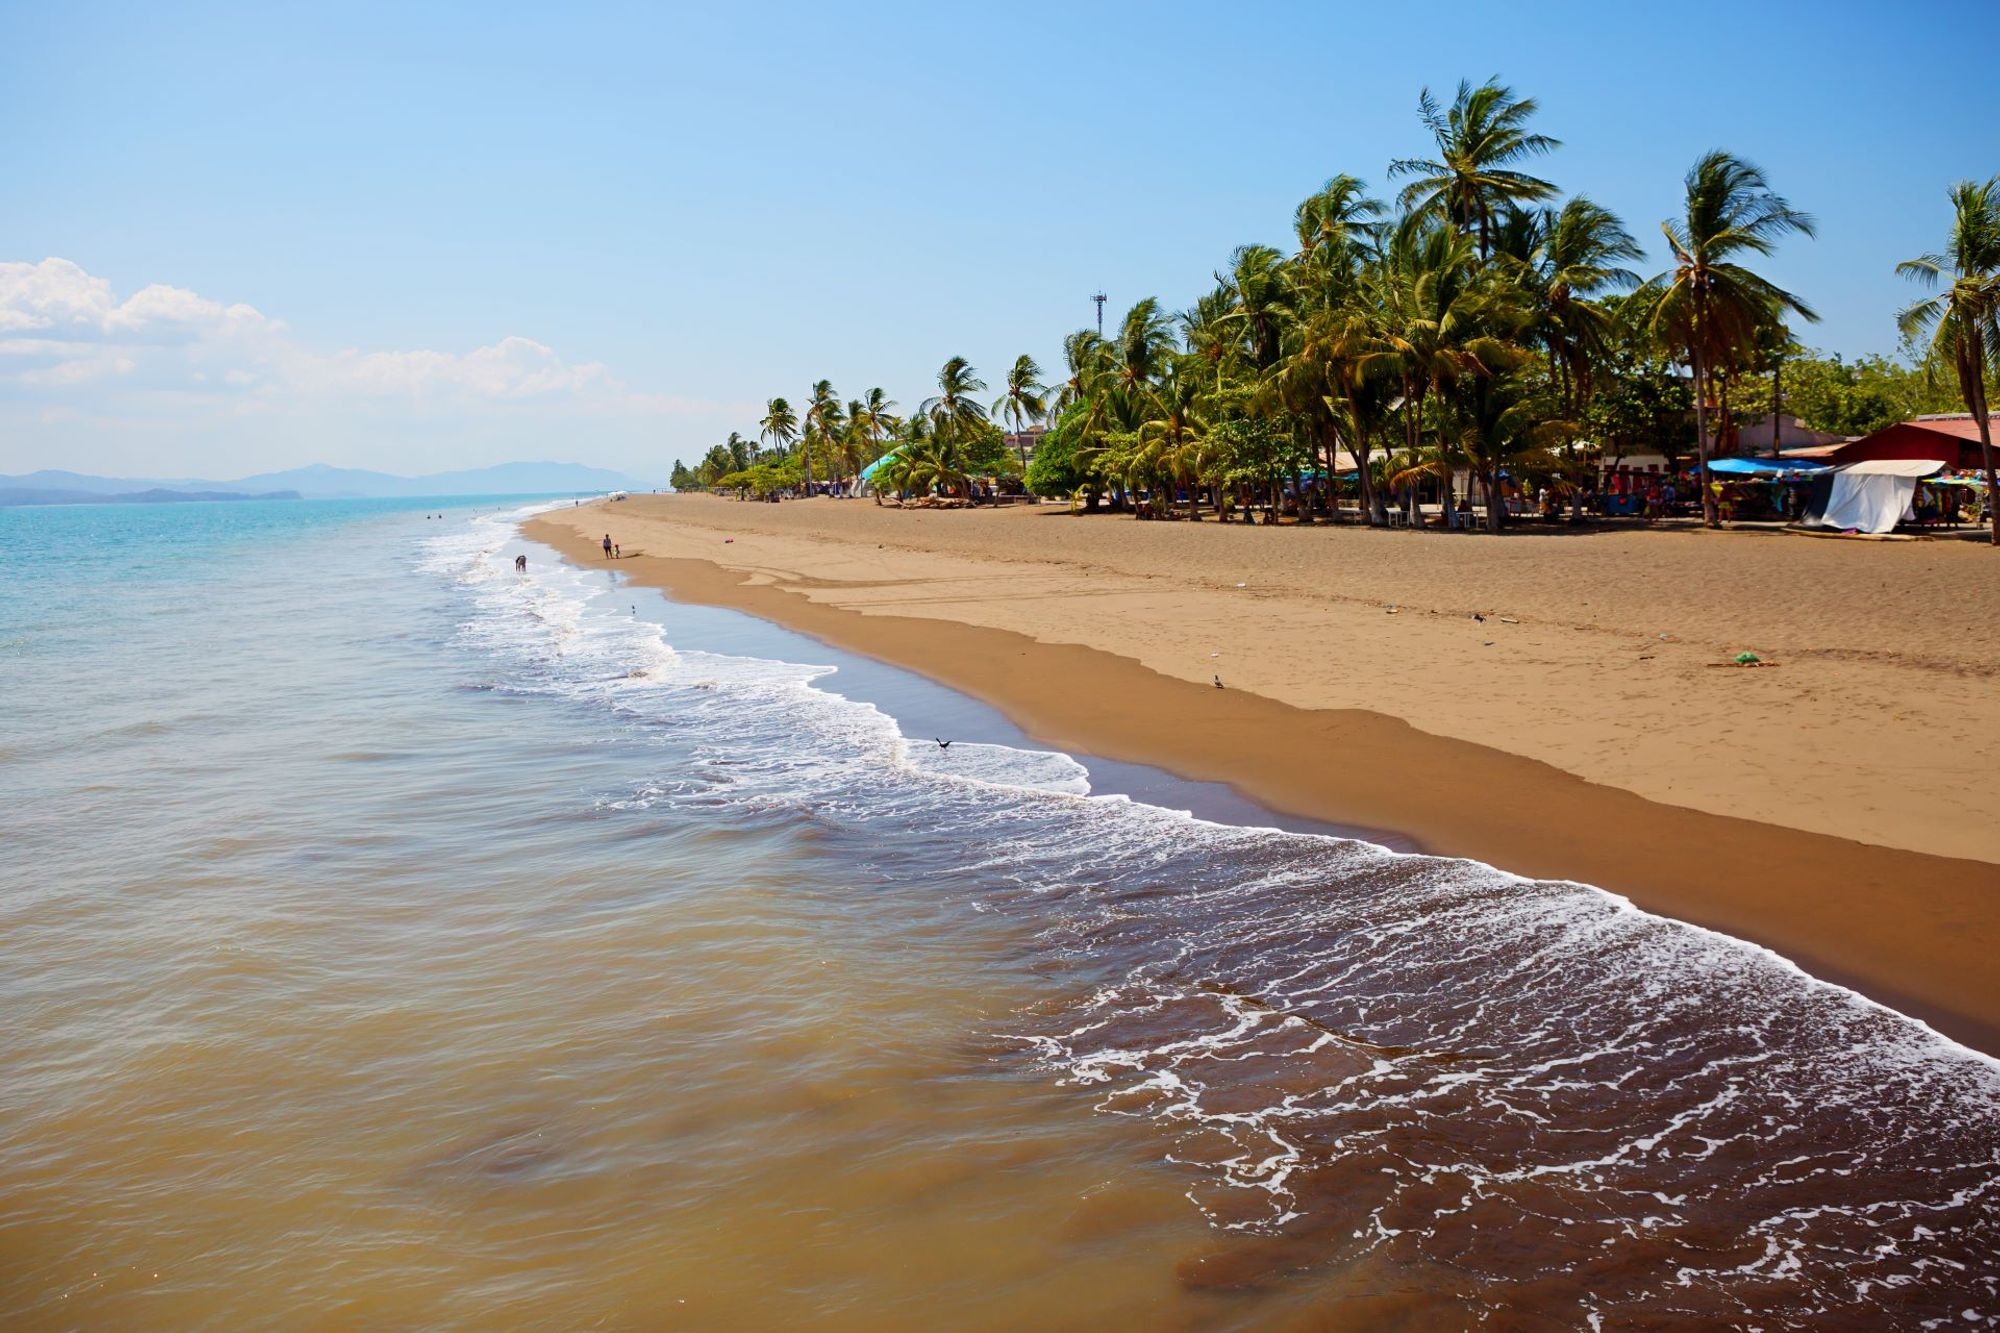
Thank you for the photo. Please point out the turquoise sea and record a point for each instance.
(390, 938)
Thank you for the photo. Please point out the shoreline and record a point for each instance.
(1911, 930)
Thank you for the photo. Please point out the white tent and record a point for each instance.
(1873, 496)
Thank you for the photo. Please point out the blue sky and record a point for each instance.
(424, 237)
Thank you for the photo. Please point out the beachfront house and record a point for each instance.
(1950, 438)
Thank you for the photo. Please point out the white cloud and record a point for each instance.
(62, 327)
(60, 299)
(510, 368)
(83, 369)
(54, 294)
(159, 307)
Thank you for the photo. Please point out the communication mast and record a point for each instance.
(1100, 299)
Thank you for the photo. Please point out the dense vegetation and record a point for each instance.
(1481, 323)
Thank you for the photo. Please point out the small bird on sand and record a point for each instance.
(1481, 619)
(1218, 682)
(942, 745)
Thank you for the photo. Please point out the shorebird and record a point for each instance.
(942, 745)
(1218, 682)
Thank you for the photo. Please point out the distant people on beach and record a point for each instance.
(607, 546)
(617, 552)
(520, 564)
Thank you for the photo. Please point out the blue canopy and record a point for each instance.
(870, 470)
(1765, 467)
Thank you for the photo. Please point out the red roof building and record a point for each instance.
(1950, 439)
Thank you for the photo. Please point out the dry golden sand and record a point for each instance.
(1771, 797)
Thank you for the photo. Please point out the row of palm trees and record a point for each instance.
(1466, 331)
(1481, 325)
(950, 438)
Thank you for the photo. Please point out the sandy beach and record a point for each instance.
(1550, 704)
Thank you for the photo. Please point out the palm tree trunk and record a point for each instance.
(1708, 514)
(1415, 415)
(1986, 461)
(1777, 401)
(1367, 483)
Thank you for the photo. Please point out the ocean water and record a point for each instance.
(390, 938)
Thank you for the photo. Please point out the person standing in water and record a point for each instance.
(607, 546)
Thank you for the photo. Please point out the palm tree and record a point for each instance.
(1086, 358)
(822, 421)
(1170, 437)
(739, 452)
(877, 416)
(928, 463)
(853, 441)
(955, 411)
(1962, 323)
(1709, 308)
(780, 425)
(1337, 221)
(1025, 402)
(1340, 359)
(1261, 300)
(1424, 290)
(1478, 140)
(1576, 255)
(1144, 341)
(1208, 330)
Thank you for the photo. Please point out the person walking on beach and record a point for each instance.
(607, 546)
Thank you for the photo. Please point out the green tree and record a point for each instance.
(876, 418)
(1173, 432)
(955, 410)
(1962, 322)
(1710, 307)
(822, 424)
(1056, 469)
(1145, 341)
(1025, 401)
(780, 425)
(1480, 140)
(1577, 256)
(1425, 292)
(739, 451)
(1261, 299)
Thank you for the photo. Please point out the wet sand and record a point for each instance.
(1556, 738)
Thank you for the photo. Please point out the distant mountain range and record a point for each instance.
(20, 495)
(317, 482)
